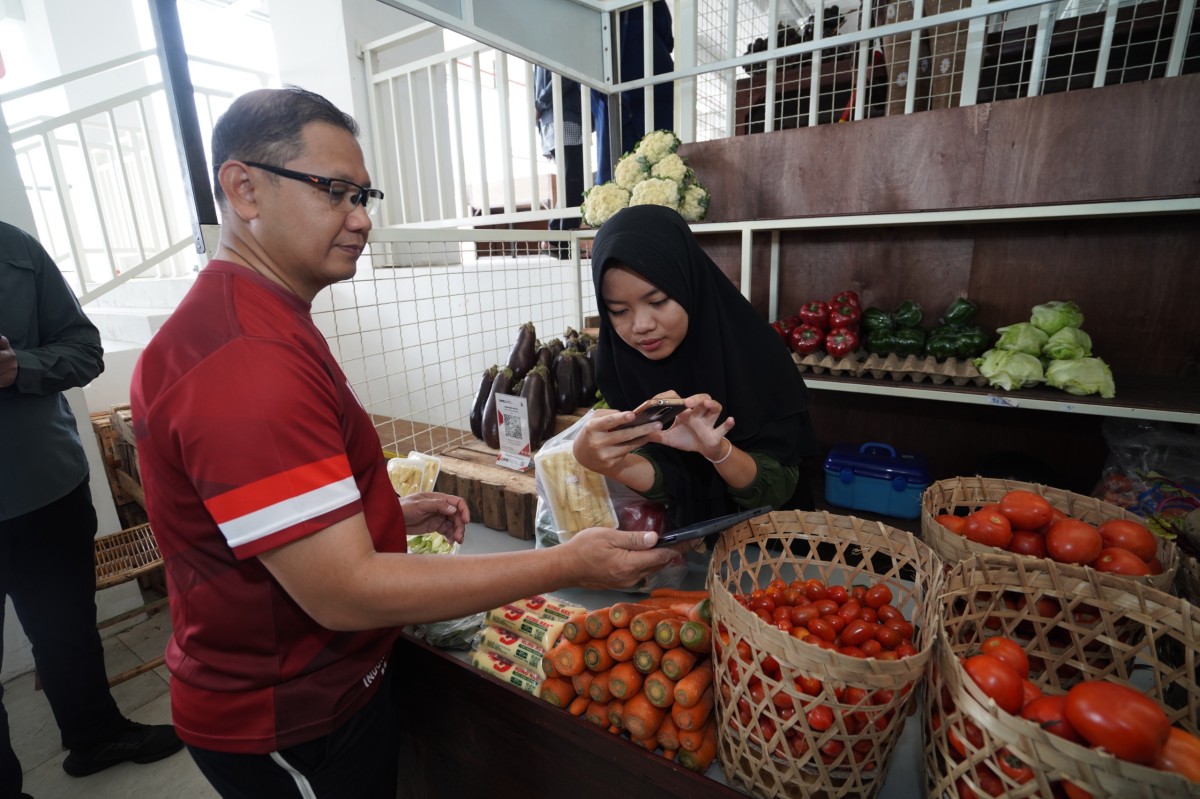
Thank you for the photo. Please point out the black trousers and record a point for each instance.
(573, 190)
(48, 568)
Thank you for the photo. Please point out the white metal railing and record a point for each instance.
(102, 173)
(455, 142)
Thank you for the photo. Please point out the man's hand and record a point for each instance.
(617, 558)
(433, 512)
(8, 363)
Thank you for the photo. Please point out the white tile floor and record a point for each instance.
(144, 698)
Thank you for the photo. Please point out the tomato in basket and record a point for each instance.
(990, 527)
(1025, 509)
(1129, 535)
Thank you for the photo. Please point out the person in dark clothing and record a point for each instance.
(673, 325)
(47, 521)
(571, 136)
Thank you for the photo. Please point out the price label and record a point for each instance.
(1003, 402)
(512, 418)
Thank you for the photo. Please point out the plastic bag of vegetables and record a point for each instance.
(1010, 369)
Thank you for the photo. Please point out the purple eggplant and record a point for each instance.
(481, 398)
(491, 426)
(523, 354)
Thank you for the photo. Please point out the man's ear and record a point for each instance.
(239, 189)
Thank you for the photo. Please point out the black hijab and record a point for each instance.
(730, 352)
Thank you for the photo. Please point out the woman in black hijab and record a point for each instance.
(673, 325)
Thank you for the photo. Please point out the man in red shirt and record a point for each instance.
(266, 486)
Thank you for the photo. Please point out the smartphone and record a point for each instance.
(663, 409)
(702, 529)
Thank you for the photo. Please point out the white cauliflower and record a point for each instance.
(630, 170)
(657, 145)
(601, 202)
(693, 204)
(656, 191)
(671, 168)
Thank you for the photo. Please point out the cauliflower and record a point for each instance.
(656, 191)
(630, 170)
(693, 204)
(601, 202)
(657, 145)
(670, 168)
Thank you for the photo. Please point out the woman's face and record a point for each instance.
(642, 314)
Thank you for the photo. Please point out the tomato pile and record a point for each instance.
(857, 620)
(1094, 713)
(1027, 524)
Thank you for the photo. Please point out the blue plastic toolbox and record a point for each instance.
(875, 477)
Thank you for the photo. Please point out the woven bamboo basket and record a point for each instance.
(966, 734)
(766, 744)
(968, 494)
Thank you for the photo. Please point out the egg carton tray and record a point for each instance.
(917, 368)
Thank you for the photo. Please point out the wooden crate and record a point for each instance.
(497, 497)
(122, 422)
(108, 438)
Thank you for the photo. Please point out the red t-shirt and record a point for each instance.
(250, 437)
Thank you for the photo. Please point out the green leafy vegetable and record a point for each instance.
(1053, 316)
(1068, 344)
(1009, 369)
(1082, 376)
(1022, 337)
(430, 544)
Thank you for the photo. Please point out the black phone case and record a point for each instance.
(701, 529)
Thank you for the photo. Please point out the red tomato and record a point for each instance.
(906, 630)
(952, 523)
(1073, 791)
(1028, 543)
(998, 680)
(1181, 754)
(802, 615)
(1055, 516)
(1047, 713)
(1032, 692)
(1123, 721)
(887, 637)
(1116, 560)
(821, 629)
(905, 649)
(1155, 565)
(988, 527)
(814, 589)
(1025, 509)
(820, 718)
(1016, 768)
(856, 632)
(872, 648)
(1007, 651)
(838, 594)
(1073, 541)
(878, 596)
(838, 623)
(1129, 535)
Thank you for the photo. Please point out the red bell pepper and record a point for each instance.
(841, 341)
(844, 315)
(848, 297)
(816, 314)
(782, 331)
(806, 339)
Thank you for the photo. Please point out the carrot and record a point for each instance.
(598, 623)
(616, 713)
(642, 625)
(595, 655)
(579, 705)
(696, 636)
(700, 758)
(548, 668)
(668, 734)
(614, 729)
(624, 680)
(678, 662)
(599, 689)
(622, 613)
(597, 713)
(659, 689)
(692, 740)
(641, 717)
(669, 603)
(694, 717)
(669, 754)
(647, 656)
(581, 682)
(567, 659)
(666, 632)
(621, 645)
(690, 689)
(680, 593)
(702, 611)
(557, 691)
(649, 743)
(574, 630)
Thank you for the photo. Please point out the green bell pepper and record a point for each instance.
(960, 312)
(876, 320)
(909, 341)
(907, 315)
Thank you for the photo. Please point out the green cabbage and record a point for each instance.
(1022, 337)
(1009, 369)
(1053, 316)
(1082, 376)
(1068, 344)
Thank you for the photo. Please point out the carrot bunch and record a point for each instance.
(643, 668)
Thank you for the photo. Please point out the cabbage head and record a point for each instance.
(1053, 316)
(1082, 376)
(1068, 344)
(1022, 337)
(1009, 369)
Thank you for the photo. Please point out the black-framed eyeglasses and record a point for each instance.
(344, 195)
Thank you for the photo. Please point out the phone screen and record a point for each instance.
(702, 529)
(664, 413)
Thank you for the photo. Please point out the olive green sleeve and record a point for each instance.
(773, 485)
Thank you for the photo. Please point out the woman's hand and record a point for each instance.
(433, 512)
(601, 447)
(696, 429)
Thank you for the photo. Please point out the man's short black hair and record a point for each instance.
(265, 125)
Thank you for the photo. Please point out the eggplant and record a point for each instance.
(491, 427)
(534, 392)
(566, 382)
(481, 398)
(556, 348)
(523, 354)
(545, 357)
(587, 381)
(551, 417)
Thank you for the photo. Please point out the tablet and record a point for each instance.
(701, 529)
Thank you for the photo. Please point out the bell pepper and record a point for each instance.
(875, 320)
(956, 341)
(941, 348)
(840, 342)
(909, 341)
(972, 341)
(844, 315)
(806, 339)
(908, 314)
(782, 331)
(815, 313)
(960, 312)
(881, 342)
(848, 297)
